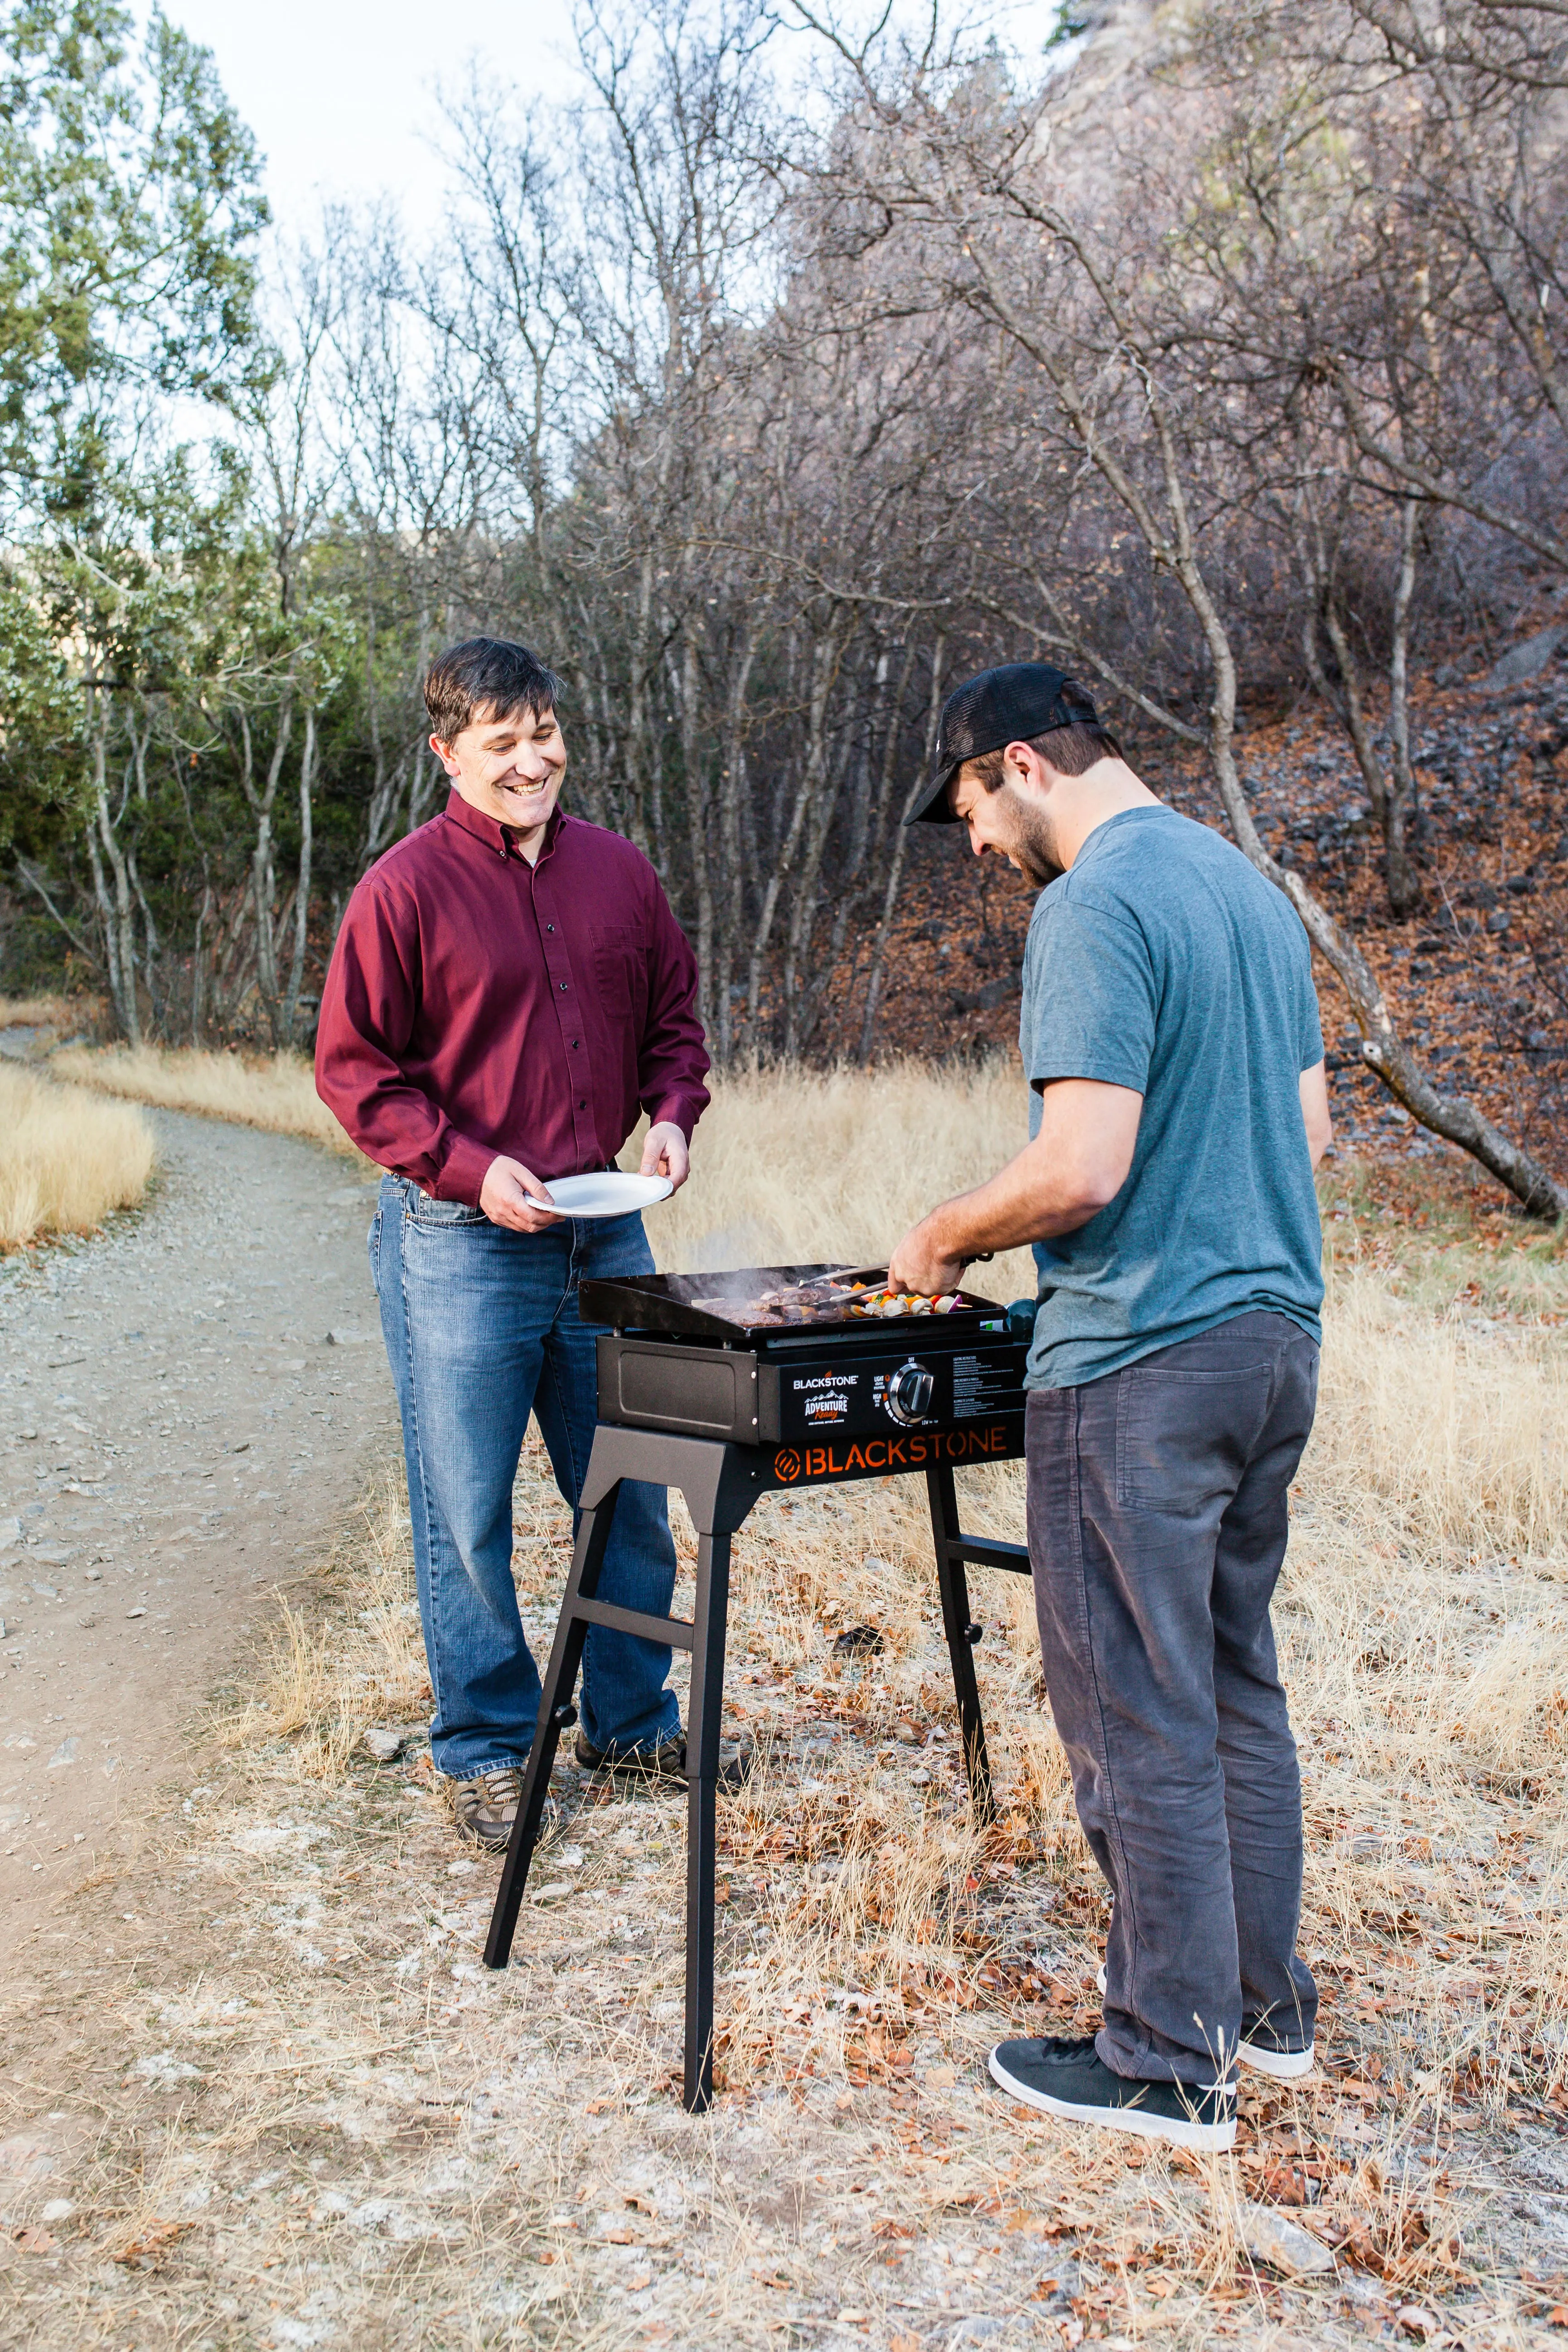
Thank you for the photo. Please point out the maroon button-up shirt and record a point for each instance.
(477, 1004)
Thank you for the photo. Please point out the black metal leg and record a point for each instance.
(709, 1620)
(961, 1634)
(555, 1712)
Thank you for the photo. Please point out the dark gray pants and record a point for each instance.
(1158, 1507)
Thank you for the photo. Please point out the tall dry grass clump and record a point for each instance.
(1458, 1424)
(274, 1091)
(67, 1157)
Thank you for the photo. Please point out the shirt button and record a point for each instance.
(563, 987)
(550, 927)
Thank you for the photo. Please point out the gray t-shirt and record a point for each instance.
(1163, 961)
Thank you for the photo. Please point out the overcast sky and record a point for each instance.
(340, 94)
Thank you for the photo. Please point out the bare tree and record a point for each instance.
(963, 186)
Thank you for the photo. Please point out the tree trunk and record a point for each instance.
(117, 913)
(302, 892)
(263, 880)
(895, 868)
(1403, 883)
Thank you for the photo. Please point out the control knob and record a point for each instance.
(908, 1390)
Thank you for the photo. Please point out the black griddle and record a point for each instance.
(727, 1307)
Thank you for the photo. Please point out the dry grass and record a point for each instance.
(378, 2142)
(788, 1163)
(50, 1012)
(274, 1091)
(806, 1165)
(67, 1157)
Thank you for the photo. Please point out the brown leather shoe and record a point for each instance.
(667, 1761)
(486, 1807)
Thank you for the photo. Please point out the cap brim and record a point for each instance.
(933, 806)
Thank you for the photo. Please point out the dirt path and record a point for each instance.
(177, 1431)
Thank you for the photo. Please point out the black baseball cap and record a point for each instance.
(1012, 704)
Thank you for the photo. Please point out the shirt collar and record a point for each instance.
(501, 839)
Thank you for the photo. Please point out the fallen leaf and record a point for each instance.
(153, 2241)
(1284, 2184)
(33, 2241)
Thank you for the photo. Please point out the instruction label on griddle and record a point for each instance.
(919, 1449)
(981, 1385)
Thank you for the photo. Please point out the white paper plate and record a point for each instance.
(608, 1194)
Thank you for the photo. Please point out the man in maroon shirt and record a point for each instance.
(508, 991)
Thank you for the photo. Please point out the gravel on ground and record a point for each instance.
(188, 1403)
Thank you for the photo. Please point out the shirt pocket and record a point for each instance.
(620, 969)
(1184, 1439)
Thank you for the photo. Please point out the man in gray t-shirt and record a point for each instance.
(1177, 1110)
(1164, 963)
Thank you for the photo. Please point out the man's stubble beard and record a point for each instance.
(1034, 841)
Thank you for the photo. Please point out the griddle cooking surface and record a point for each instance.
(734, 1306)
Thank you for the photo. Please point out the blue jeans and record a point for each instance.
(481, 1328)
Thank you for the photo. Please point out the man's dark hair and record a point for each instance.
(486, 678)
(1071, 751)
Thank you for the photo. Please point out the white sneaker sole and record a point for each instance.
(1174, 2130)
(1280, 2065)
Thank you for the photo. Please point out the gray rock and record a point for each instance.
(384, 1744)
(1269, 2238)
(1527, 659)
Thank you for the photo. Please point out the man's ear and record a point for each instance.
(1023, 760)
(444, 754)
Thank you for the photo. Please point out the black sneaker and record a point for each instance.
(667, 1761)
(1260, 2047)
(1070, 2079)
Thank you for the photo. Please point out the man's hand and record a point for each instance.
(921, 1263)
(665, 1153)
(505, 1198)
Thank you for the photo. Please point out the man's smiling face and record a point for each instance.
(508, 766)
